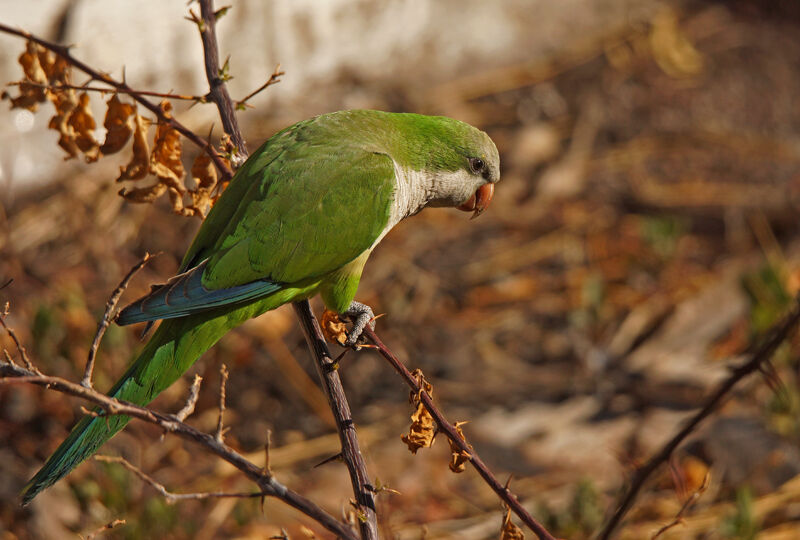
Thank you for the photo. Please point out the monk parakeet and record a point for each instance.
(300, 217)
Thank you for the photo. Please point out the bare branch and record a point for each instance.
(223, 379)
(20, 347)
(104, 528)
(218, 92)
(191, 401)
(457, 441)
(171, 497)
(777, 334)
(273, 79)
(678, 519)
(269, 486)
(108, 316)
(132, 92)
(351, 453)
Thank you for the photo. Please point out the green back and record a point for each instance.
(307, 202)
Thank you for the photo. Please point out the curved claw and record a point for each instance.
(362, 315)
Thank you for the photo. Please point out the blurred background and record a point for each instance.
(643, 236)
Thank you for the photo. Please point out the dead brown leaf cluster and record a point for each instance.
(47, 77)
(423, 428)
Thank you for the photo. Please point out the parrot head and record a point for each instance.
(462, 166)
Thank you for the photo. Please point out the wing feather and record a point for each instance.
(307, 202)
(185, 294)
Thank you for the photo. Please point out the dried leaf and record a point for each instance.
(29, 60)
(423, 428)
(119, 122)
(204, 174)
(29, 97)
(459, 457)
(333, 328)
(65, 102)
(422, 383)
(30, 94)
(165, 160)
(145, 194)
(55, 67)
(176, 200)
(509, 530)
(139, 164)
(82, 123)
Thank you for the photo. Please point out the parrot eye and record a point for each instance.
(477, 165)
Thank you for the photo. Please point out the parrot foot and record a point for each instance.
(361, 315)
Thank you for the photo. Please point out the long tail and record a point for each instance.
(174, 347)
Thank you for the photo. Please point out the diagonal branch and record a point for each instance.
(351, 453)
(169, 495)
(269, 486)
(103, 90)
(777, 334)
(452, 434)
(108, 316)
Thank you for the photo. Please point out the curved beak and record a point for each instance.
(479, 201)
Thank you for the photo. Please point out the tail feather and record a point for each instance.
(174, 347)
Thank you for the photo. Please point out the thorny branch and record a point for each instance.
(131, 92)
(62, 51)
(351, 453)
(273, 79)
(218, 92)
(108, 316)
(777, 334)
(452, 434)
(269, 486)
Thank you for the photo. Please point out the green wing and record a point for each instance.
(306, 203)
(311, 205)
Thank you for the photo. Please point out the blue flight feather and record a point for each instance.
(185, 294)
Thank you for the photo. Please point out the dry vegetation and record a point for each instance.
(642, 239)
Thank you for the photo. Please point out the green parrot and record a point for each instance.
(300, 217)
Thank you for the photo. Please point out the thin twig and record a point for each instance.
(268, 484)
(107, 527)
(777, 334)
(191, 401)
(225, 171)
(273, 79)
(108, 316)
(132, 92)
(223, 379)
(23, 353)
(168, 495)
(351, 453)
(451, 433)
(678, 519)
(218, 92)
(267, 445)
